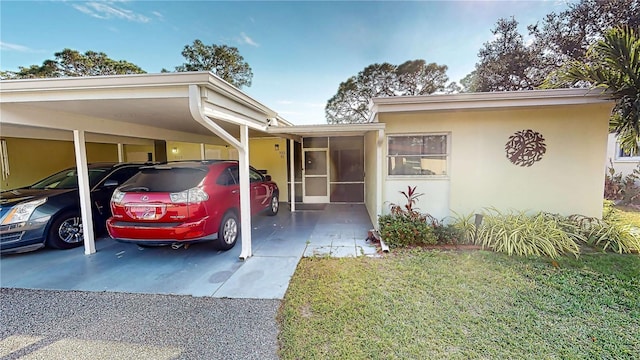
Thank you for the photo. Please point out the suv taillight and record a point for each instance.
(117, 196)
(192, 196)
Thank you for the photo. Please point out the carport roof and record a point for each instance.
(145, 105)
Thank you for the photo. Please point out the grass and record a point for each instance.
(629, 215)
(419, 304)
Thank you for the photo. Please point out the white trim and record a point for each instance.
(327, 130)
(487, 100)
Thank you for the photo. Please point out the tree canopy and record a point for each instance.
(510, 62)
(224, 61)
(612, 64)
(72, 63)
(506, 63)
(414, 77)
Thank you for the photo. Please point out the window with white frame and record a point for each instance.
(424, 154)
(626, 155)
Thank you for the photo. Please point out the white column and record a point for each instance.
(85, 191)
(380, 168)
(292, 187)
(120, 153)
(203, 152)
(245, 199)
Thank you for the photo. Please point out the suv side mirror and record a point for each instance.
(267, 177)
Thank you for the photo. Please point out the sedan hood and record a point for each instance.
(14, 197)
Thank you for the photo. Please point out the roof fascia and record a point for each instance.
(329, 129)
(505, 99)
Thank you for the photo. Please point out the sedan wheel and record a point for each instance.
(228, 232)
(66, 231)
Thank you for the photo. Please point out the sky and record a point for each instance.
(299, 51)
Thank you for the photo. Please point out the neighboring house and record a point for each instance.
(540, 150)
(620, 161)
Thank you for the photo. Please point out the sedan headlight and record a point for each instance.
(22, 212)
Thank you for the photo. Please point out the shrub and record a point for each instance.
(406, 226)
(447, 234)
(400, 230)
(520, 234)
(608, 234)
(622, 189)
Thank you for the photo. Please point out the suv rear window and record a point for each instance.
(165, 179)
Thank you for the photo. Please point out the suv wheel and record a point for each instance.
(228, 231)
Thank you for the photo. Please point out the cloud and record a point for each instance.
(158, 15)
(108, 10)
(247, 40)
(285, 102)
(14, 47)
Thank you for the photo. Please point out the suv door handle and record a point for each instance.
(234, 191)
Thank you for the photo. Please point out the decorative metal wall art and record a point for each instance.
(525, 147)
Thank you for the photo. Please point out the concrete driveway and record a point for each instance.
(278, 244)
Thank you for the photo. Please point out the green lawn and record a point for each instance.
(429, 305)
(629, 215)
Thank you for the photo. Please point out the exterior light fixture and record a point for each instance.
(277, 147)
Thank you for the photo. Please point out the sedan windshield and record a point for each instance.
(68, 179)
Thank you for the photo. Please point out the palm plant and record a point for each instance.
(613, 65)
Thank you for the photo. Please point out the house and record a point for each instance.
(621, 162)
(540, 150)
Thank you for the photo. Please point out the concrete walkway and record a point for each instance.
(278, 244)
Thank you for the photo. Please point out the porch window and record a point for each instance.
(424, 155)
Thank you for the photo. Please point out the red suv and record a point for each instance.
(187, 201)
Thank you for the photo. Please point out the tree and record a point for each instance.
(415, 77)
(559, 38)
(612, 64)
(224, 61)
(71, 63)
(506, 63)
(567, 35)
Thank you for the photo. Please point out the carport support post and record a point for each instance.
(203, 152)
(292, 174)
(245, 202)
(85, 191)
(120, 152)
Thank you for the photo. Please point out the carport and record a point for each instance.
(193, 107)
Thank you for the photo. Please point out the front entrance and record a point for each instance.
(330, 169)
(315, 176)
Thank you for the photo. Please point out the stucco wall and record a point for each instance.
(138, 153)
(31, 160)
(264, 156)
(569, 178)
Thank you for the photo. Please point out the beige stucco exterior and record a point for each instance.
(31, 160)
(263, 155)
(569, 178)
